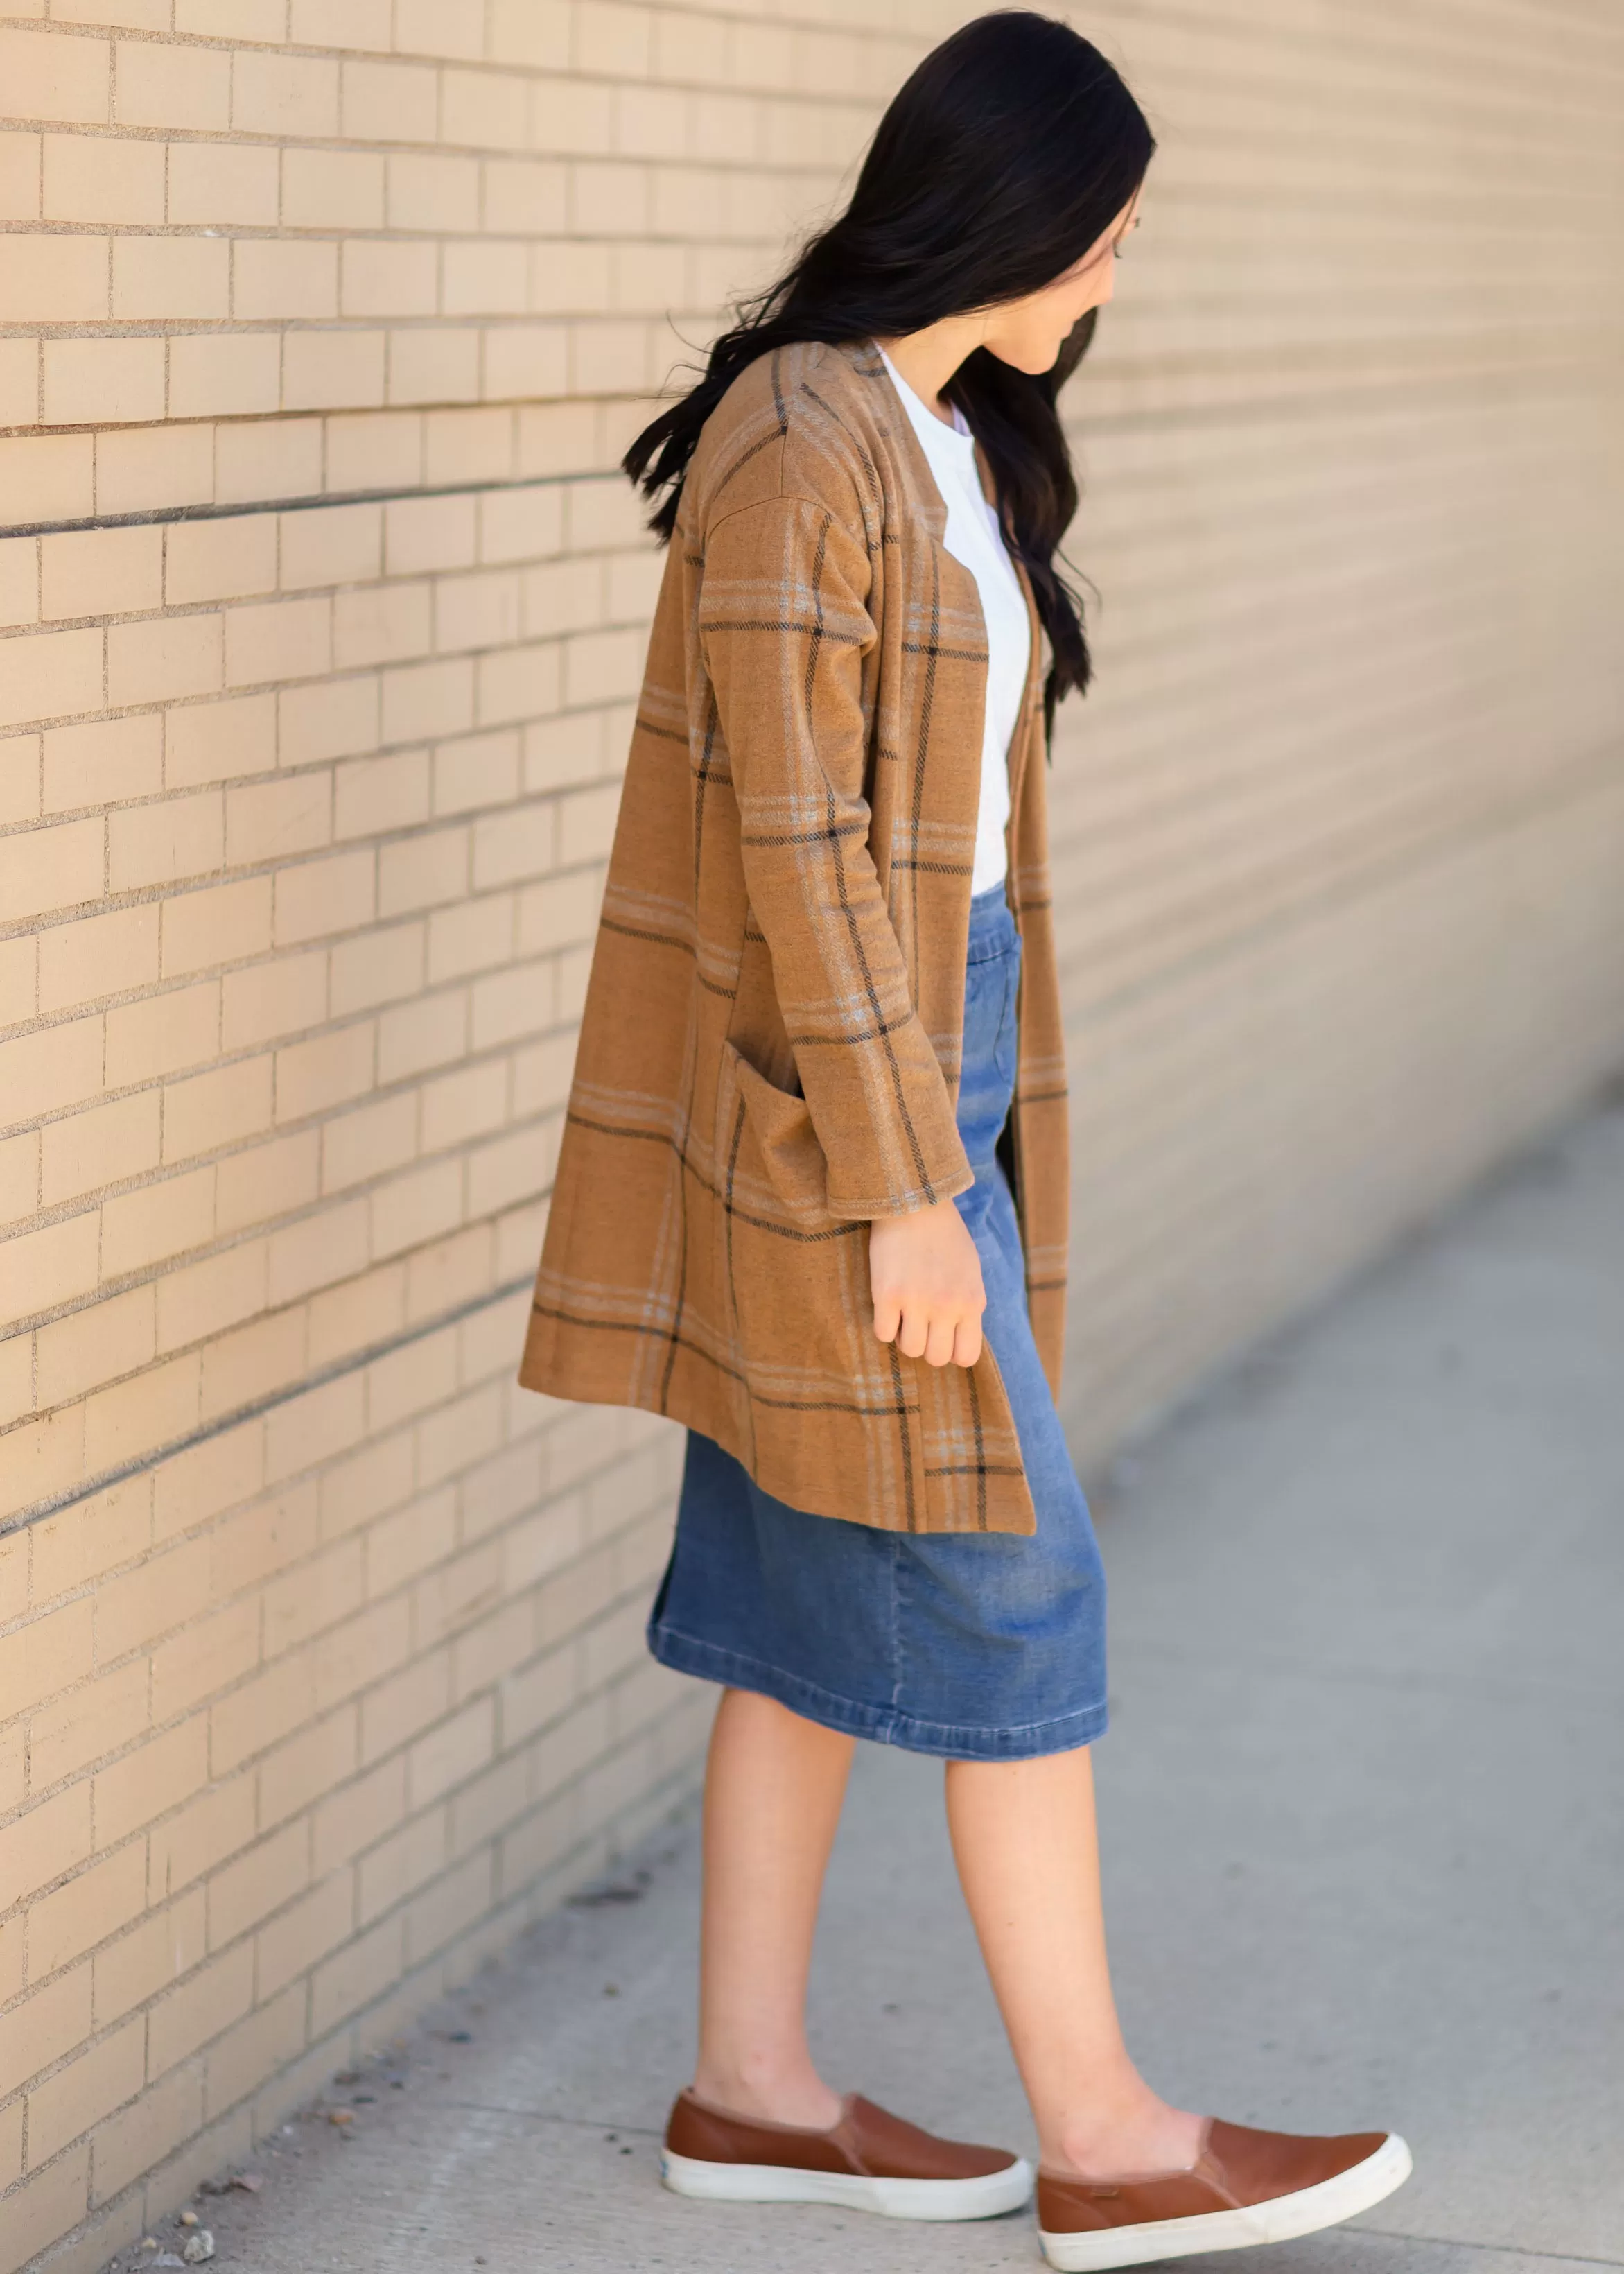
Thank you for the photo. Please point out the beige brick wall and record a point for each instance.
(322, 324)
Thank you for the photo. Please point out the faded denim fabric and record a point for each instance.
(975, 1646)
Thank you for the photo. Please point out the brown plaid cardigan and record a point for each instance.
(770, 1052)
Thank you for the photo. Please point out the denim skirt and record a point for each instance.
(974, 1647)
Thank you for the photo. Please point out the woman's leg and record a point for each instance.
(1024, 1839)
(774, 1785)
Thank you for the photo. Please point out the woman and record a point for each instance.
(811, 1197)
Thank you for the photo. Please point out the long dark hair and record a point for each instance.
(1002, 158)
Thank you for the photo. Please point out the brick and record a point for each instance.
(224, 375)
(276, 820)
(54, 280)
(337, 545)
(96, 380)
(95, 956)
(365, 24)
(429, 533)
(485, 109)
(50, 675)
(20, 581)
(380, 967)
(218, 1108)
(293, 96)
(146, 1785)
(180, 1028)
(279, 458)
(355, 1975)
(462, 446)
(101, 572)
(400, 1865)
(381, 278)
(45, 2207)
(46, 478)
(221, 1293)
(380, 623)
(155, 277)
(365, 1311)
(389, 102)
(212, 1653)
(143, 1963)
(140, 2136)
(217, 184)
(159, 661)
(78, 1354)
(51, 869)
(89, 1539)
(160, 1220)
(429, 1033)
(317, 898)
(380, 451)
(305, 1933)
(332, 188)
(49, 78)
(411, 1209)
(102, 762)
(101, 1146)
(154, 467)
(218, 924)
(358, 1814)
(260, 1881)
(278, 639)
(372, 796)
(41, 1458)
(212, 742)
(101, 178)
(329, 1246)
(88, 1909)
(274, 279)
(486, 278)
(524, 197)
(435, 365)
(175, 86)
(333, 720)
(523, 361)
(425, 699)
(40, 2031)
(19, 776)
(136, 1418)
(273, 1001)
(263, 21)
(20, 993)
(433, 194)
(34, 1850)
(332, 1069)
(162, 843)
(19, 177)
(519, 31)
(220, 560)
(52, 1266)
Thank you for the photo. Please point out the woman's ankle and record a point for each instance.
(776, 2093)
(1110, 2142)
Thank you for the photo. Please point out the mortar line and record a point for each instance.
(154, 516)
(317, 1378)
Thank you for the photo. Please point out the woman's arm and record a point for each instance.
(783, 629)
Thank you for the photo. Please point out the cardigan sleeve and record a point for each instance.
(783, 630)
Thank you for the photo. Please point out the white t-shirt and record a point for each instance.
(973, 537)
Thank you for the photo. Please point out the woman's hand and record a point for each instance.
(925, 1278)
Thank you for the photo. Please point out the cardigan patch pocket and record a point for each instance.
(770, 1163)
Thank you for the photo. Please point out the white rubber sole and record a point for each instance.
(1306, 2212)
(980, 2198)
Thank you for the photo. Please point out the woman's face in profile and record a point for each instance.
(1028, 333)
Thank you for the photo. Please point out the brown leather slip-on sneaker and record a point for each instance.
(1245, 2188)
(869, 2160)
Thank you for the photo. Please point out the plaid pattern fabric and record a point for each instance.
(770, 1050)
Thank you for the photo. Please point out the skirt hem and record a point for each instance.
(884, 1725)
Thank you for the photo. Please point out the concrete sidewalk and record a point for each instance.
(1362, 1803)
